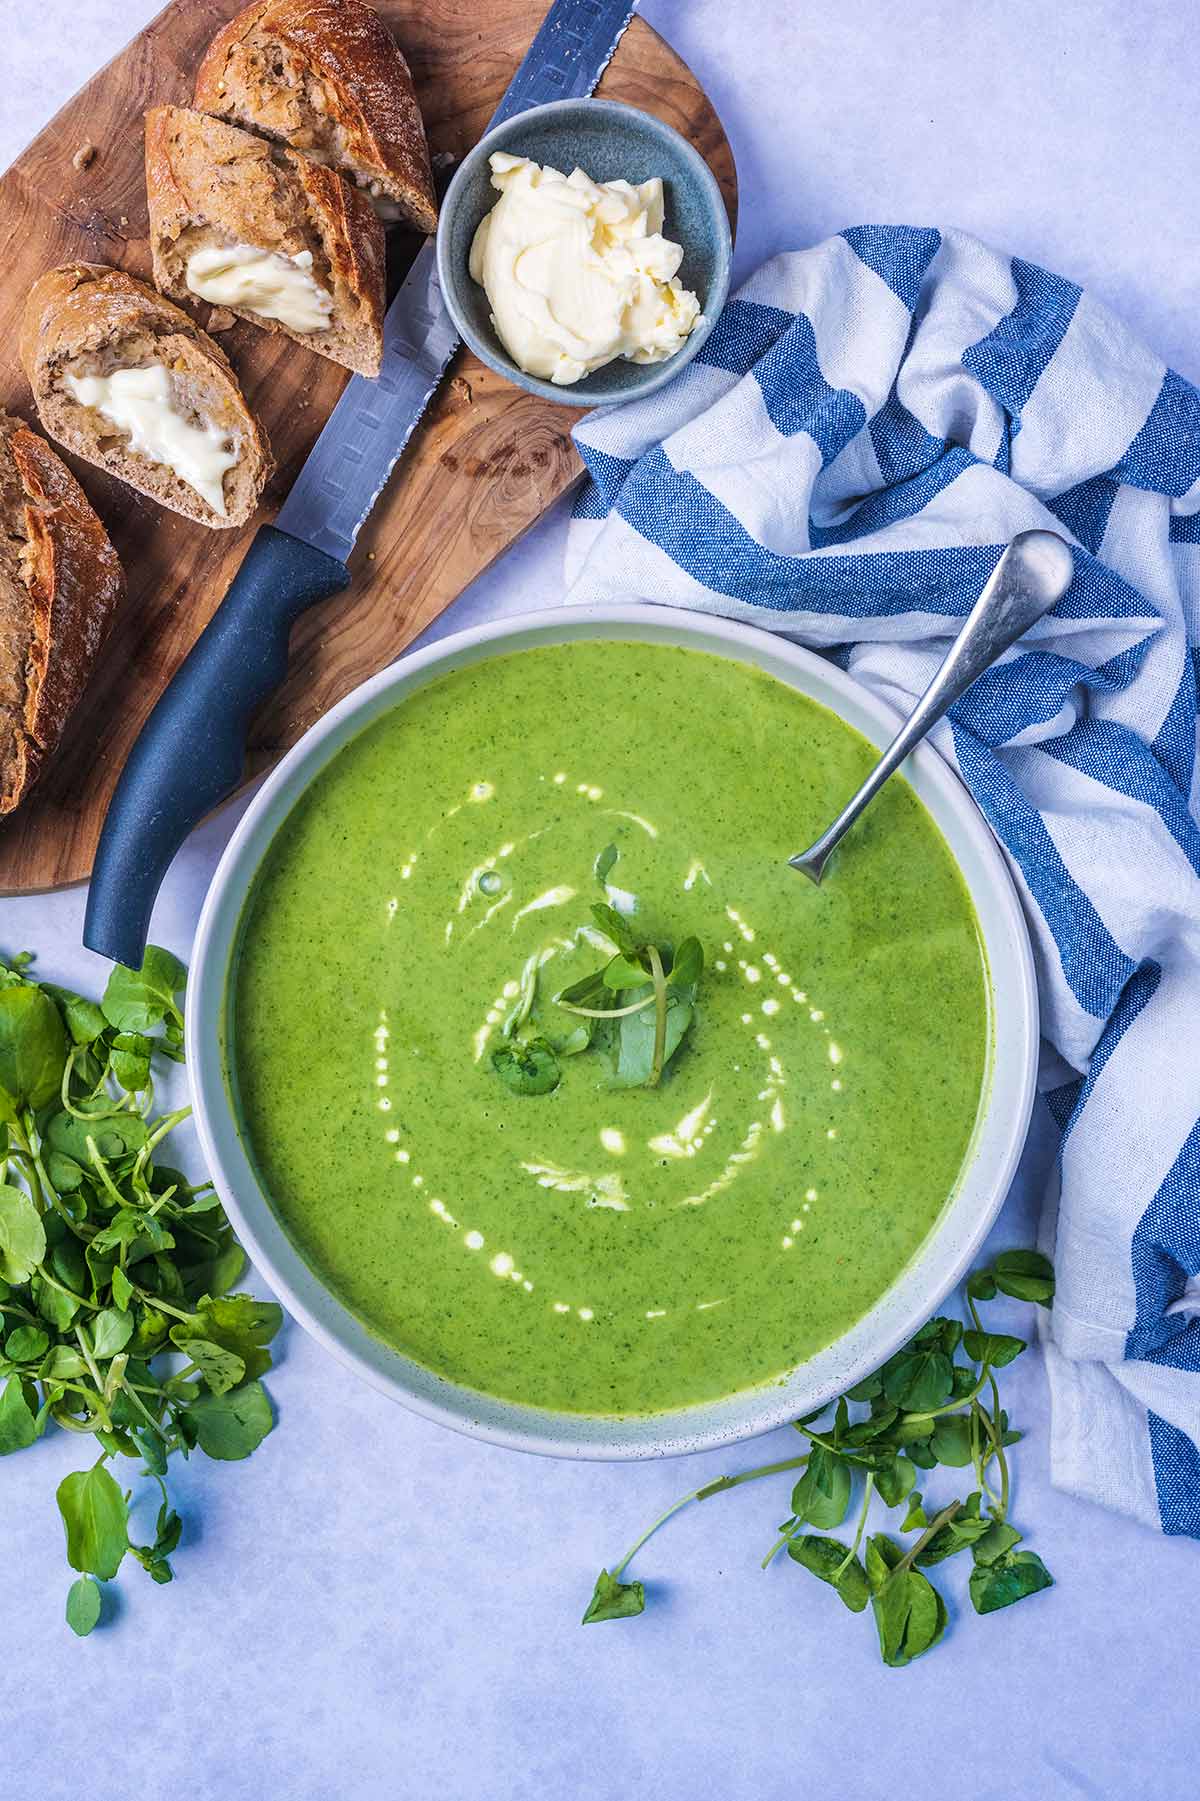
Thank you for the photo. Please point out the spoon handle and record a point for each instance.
(1031, 577)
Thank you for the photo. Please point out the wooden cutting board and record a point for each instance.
(486, 462)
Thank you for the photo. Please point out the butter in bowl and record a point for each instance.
(584, 251)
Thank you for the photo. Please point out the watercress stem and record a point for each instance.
(703, 1494)
(935, 1525)
(852, 1553)
(149, 1418)
(660, 1014)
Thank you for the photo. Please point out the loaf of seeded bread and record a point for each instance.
(213, 187)
(327, 78)
(85, 320)
(60, 585)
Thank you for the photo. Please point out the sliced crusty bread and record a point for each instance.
(60, 585)
(327, 78)
(213, 187)
(84, 320)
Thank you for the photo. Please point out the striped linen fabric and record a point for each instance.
(869, 423)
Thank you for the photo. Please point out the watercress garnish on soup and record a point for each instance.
(115, 1320)
(925, 1407)
(637, 1007)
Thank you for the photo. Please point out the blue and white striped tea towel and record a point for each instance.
(870, 421)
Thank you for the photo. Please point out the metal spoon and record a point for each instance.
(1032, 576)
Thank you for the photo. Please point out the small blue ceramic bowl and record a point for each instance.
(610, 142)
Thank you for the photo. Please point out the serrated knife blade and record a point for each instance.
(365, 435)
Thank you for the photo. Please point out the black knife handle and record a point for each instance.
(191, 751)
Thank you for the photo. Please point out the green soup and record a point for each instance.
(604, 1249)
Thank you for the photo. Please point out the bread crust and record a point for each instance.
(341, 52)
(87, 308)
(203, 173)
(73, 584)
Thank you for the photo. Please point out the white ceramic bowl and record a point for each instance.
(951, 1245)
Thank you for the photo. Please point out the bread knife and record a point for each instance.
(190, 753)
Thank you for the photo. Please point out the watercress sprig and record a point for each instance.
(115, 1320)
(613, 1005)
(925, 1407)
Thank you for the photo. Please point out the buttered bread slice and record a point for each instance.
(278, 239)
(129, 382)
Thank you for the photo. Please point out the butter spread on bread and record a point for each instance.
(140, 403)
(264, 282)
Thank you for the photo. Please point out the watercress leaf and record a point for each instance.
(26, 1344)
(575, 1041)
(64, 1172)
(83, 1605)
(115, 1135)
(911, 1430)
(18, 1416)
(589, 991)
(83, 1018)
(616, 927)
(883, 1554)
(33, 1049)
(157, 1568)
(895, 1481)
(62, 1364)
(688, 965)
(129, 1061)
(153, 1558)
(231, 1426)
(117, 1444)
(154, 1452)
(997, 1348)
(1008, 1578)
(981, 1285)
(604, 863)
(918, 1377)
(910, 1617)
(1026, 1275)
(110, 1331)
(915, 1518)
(527, 1068)
(236, 1323)
(635, 1054)
(940, 1330)
(221, 1369)
(621, 973)
(864, 1431)
(135, 1000)
(999, 1538)
(122, 1287)
(867, 1390)
(95, 1516)
(829, 1560)
(822, 1494)
(22, 1235)
(965, 1379)
(219, 1273)
(951, 1440)
(56, 1308)
(613, 1600)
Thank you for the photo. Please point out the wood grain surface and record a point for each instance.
(485, 463)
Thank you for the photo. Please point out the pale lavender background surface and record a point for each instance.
(373, 1607)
